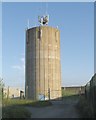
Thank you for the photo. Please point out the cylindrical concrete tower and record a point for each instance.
(43, 70)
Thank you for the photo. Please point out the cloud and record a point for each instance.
(16, 67)
(23, 60)
(23, 63)
(20, 66)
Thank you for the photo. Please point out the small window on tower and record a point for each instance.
(27, 37)
(39, 33)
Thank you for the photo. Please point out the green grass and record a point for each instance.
(16, 108)
(15, 112)
(0, 96)
(8, 102)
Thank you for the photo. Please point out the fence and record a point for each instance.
(50, 95)
(12, 92)
(69, 91)
(90, 93)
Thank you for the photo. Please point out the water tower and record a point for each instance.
(42, 66)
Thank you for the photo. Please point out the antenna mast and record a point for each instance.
(46, 7)
(28, 23)
(43, 20)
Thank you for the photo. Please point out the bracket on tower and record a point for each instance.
(43, 20)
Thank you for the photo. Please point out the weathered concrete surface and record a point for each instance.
(42, 68)
(59, 109)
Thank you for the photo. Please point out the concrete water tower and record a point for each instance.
(42, 69)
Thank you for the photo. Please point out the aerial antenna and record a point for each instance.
(28, 23)
(57, 27)
(43, 20)
(46, 7)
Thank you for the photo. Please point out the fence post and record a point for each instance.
(27, 92)
(8, 93)
(49, 93)
(2, 93)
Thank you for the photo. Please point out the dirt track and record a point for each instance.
(59, 109)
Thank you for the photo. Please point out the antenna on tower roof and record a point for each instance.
(43, 20)
(28, 23)
(46, 7)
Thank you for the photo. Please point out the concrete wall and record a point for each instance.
(43, 70)
(73, 90)
(9, 92)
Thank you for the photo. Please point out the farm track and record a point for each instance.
(59, 109)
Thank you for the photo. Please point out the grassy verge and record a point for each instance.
(15, 102)
(10, 102)
(84, 108)
(15, 112)
(16, 108)
(12, 109)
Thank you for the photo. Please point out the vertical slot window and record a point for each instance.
(27, 37)
(40, 34)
